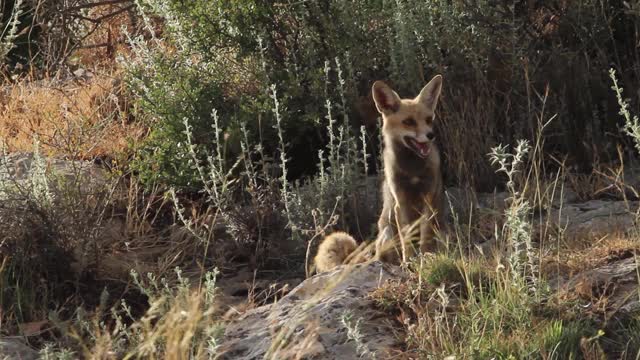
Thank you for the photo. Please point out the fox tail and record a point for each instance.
(336, 249)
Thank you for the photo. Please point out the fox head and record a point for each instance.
(409, 122)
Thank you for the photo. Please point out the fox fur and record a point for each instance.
(412, 190)
(334, 250)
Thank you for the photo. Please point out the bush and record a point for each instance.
(272, 48)
(508, 56)
(272, 71)
(169, 91)
(48, 239)
(267, 213)
(231, 117)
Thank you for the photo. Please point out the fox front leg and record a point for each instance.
(430, 223)
(385, 245)
(386, 242)
(405, 226)
(427, 233)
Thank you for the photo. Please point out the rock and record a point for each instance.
(462, 200)
(459, 200)
(631, 178)
(14, 349)
(595, 217)
(21, 169)
(311, 321)
(238, 292)
(79, 191)
(616, 281)
(620, 185)
(568, 197)
(63, 176)
(83, 74)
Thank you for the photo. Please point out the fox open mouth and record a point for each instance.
(421, 148)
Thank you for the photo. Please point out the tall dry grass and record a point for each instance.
(82, 117)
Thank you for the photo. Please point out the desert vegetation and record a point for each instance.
(168, 168)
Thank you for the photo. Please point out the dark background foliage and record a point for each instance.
(507, 67)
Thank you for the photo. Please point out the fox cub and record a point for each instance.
(412, 190)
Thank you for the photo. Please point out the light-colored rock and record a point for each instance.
(14, 349)
(462, 200)
(617, 281)
(79, 190)
(83, 74)
(309, 322)
(85, 174)
(595, 217)
(564, 197)
(233, 292)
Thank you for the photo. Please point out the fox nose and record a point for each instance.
(431, 135)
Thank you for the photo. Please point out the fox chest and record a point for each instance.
(415, 184)
(415, 192)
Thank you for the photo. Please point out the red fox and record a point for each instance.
(412, 191)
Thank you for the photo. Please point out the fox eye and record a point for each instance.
(409, 122)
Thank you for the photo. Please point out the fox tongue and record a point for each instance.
(423, 148)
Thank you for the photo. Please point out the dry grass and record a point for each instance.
(464, 129)
(589, 252)
(79, 118)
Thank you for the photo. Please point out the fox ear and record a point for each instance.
(387, 101)
(430, 94)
